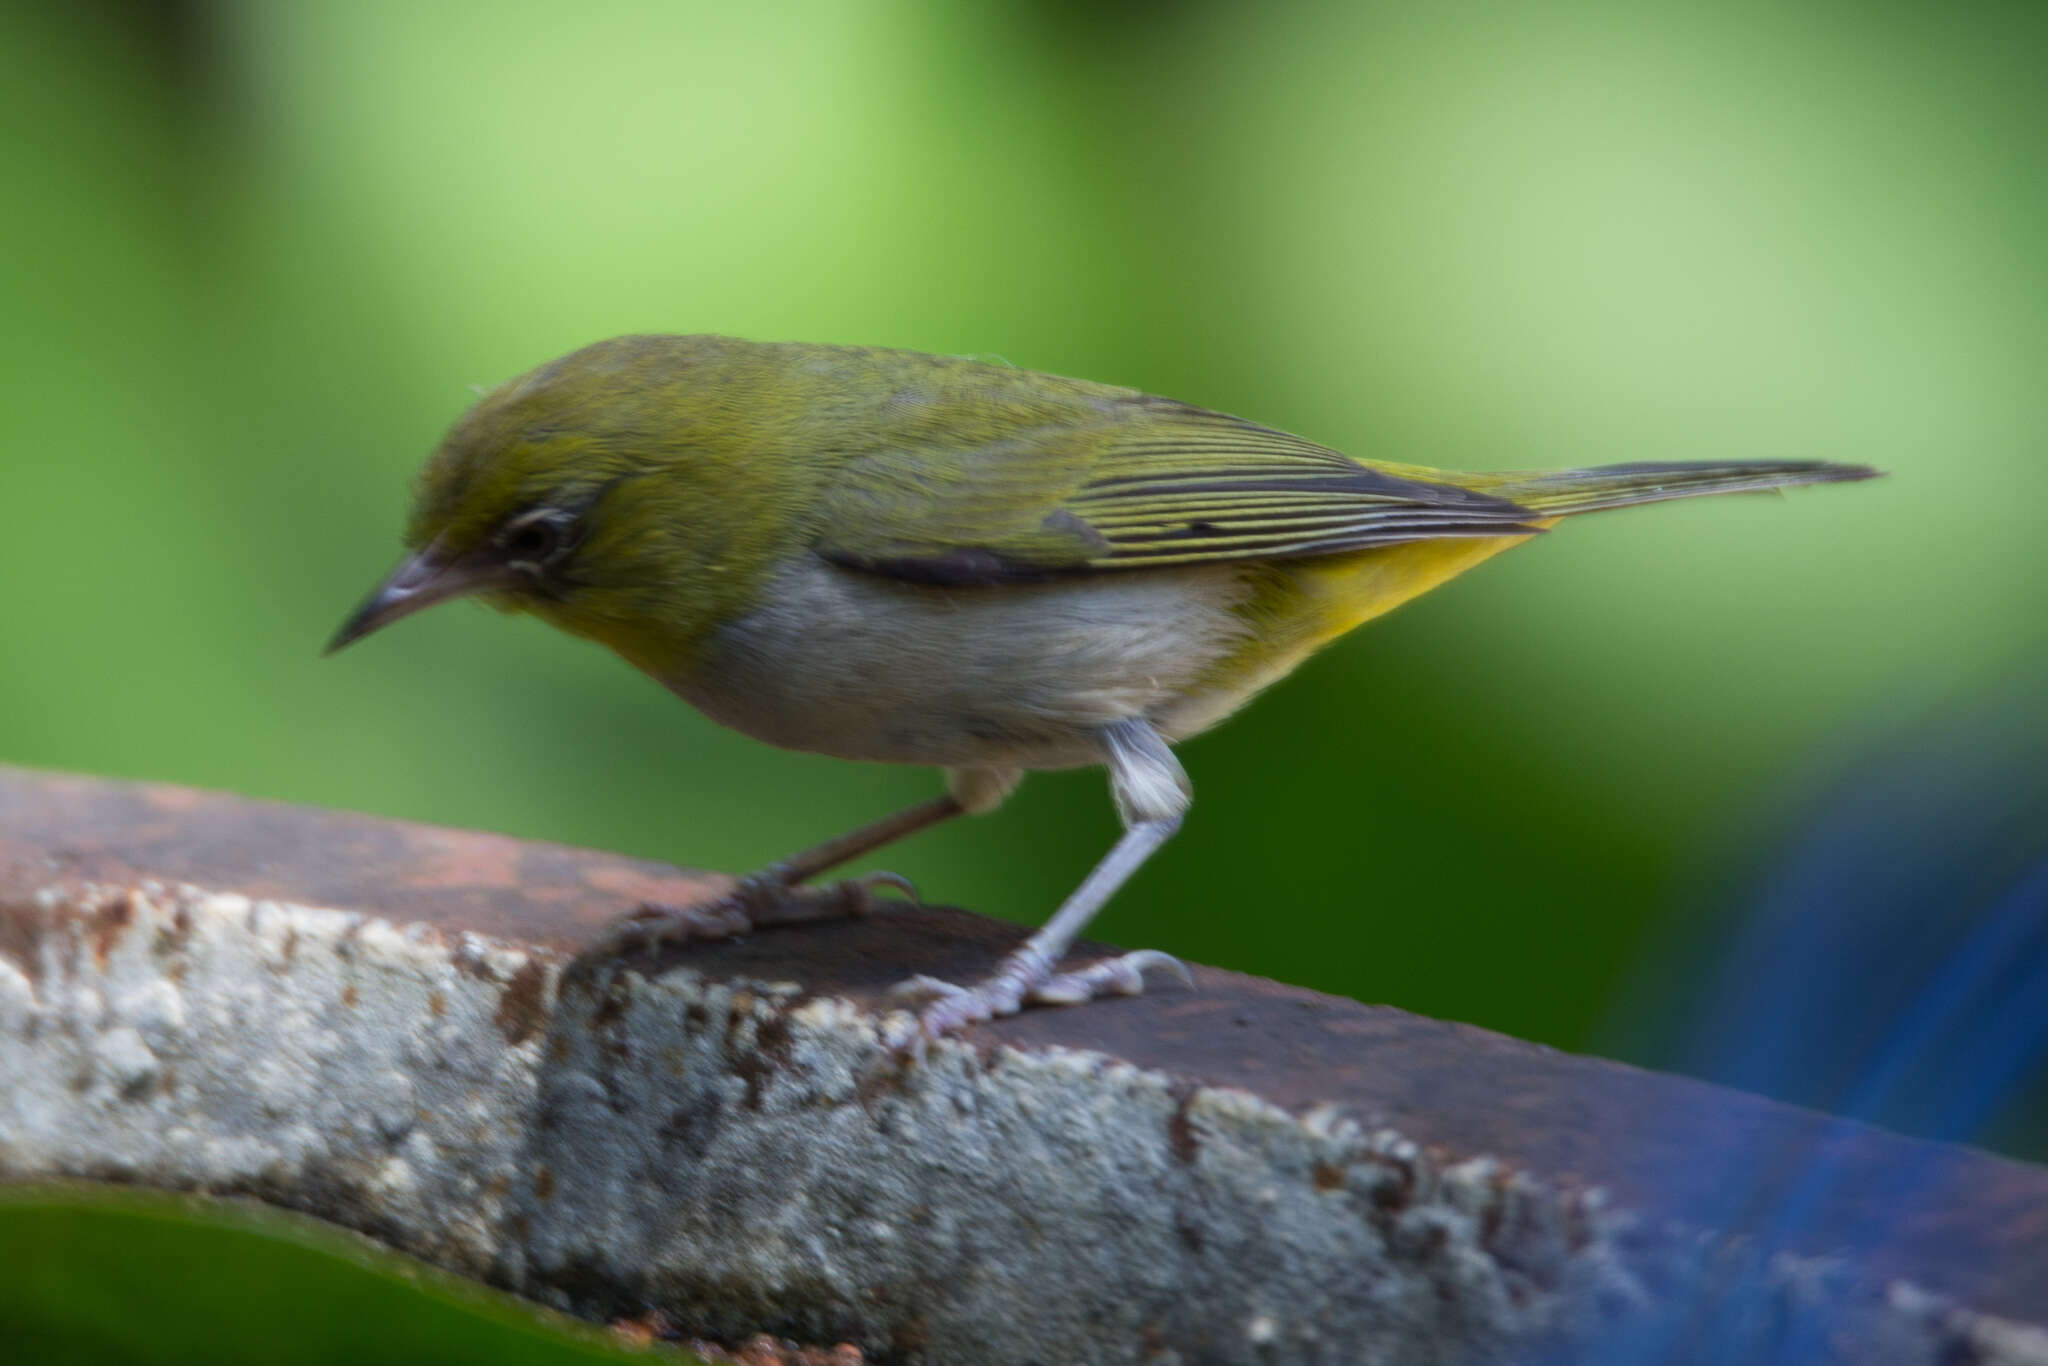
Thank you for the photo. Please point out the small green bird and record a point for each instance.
(918, 559)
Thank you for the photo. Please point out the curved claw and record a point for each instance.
(1120, 976)
(862, 890)
(1141, 960)
(924, 988)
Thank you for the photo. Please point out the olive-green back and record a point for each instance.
(960, 471)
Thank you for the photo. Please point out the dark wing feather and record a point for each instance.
(1197, 486)
(1140, 483)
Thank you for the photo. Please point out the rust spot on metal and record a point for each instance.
(693, 1125)
(544, 1183)
(112, 918)
(462, 861)
(911, 1337)
(437, 1004)
(1491, 1218)
(176, 800)
(1180, 1127)
(754, 1070)
(522, 1008)
(1328, 1177)
(768, 1055)
(610, 1007)
(871, 1084)
(1490, 1221)
(773, 1037)
(171, 937)
(1396, 1194)
(469, 961)
(350, 996)
(20, 929)
(608, 1014)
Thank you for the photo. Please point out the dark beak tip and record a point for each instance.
(365, 619)
(419, 582)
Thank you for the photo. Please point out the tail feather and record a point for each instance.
(1559, 493)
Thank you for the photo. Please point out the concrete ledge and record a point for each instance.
(1244, 1173)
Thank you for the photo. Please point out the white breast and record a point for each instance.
(861, 666)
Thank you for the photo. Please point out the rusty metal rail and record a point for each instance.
(368, 1020)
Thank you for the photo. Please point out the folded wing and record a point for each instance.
(1133, 484)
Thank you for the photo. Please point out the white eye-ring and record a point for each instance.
(533, 539)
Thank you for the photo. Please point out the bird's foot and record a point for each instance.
(1026, 977)
(752, 903)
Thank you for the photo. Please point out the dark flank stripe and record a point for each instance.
(1271, 546)
(1167, 556)
(1366, 484)
(1223, 532)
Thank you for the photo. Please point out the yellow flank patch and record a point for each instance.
(1346, 591)
(1295, 607)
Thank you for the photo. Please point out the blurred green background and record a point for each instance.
(258, 255)
(107, 1275)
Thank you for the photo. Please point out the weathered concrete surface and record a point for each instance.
(1237, 1178)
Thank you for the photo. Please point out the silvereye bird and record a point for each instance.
(918, 559)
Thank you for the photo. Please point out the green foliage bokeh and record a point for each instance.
(143, 1279)
(258, 254)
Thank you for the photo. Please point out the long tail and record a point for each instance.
(1559, 493)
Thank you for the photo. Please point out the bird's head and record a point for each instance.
(606, 492)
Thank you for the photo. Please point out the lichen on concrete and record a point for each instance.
(742, 1157)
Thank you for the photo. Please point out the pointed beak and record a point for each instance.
(421, 581)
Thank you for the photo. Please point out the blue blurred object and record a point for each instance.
(1893, 965)
(1893, 970)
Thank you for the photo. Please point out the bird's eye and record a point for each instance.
(535, 538)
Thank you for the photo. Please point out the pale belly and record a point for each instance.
(1020, 676)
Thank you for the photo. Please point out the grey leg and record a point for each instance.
(1152, 795)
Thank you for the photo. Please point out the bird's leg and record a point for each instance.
(1152, 795)
(765, 898)
(806, 864)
